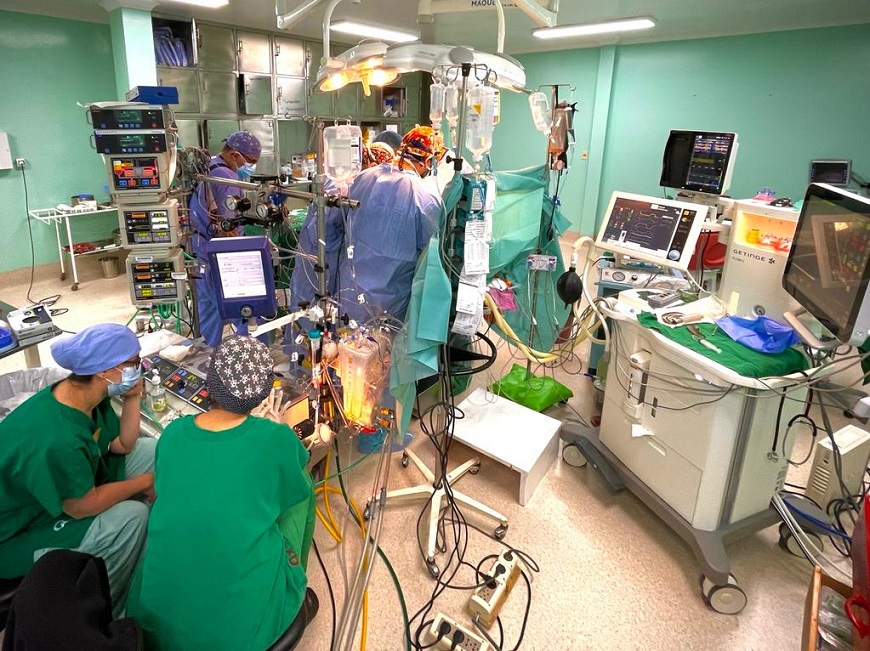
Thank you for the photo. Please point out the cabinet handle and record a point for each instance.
(239, 50)
(277, 49)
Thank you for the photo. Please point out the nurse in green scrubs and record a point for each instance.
(70, 468)
(230, 532)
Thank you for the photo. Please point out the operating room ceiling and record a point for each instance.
(676, 19)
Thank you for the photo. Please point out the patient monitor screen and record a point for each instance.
(698, 160)
(242, 274)
(827, 270)
(654, 230)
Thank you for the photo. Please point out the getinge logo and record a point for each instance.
(753, 256)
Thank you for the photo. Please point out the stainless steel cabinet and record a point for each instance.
(320, 104)
(216, 48)
(412, 103)
(370, 106)
(216, 131)
(313, 54)
(188, 90)
(294, 137)
(255, 94)
(290, 96)
(289, 57)
(219, 92)
(255, 52)
(264, 130)
(189, 134)
(347, 101)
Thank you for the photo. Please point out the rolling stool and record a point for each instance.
(293, 635)
(7, 591)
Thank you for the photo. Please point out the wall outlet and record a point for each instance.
(20, 163)
(488, 599)
(448, 634)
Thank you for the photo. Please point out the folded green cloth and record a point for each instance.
(734, 355)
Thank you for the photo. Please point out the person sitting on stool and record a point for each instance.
(229, 536)
(69, 467)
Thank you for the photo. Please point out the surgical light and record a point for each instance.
(210, 4)
(591, 29)
(370, 31)
(363, 63)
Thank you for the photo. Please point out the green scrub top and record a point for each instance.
(228, 538)
(49, 453)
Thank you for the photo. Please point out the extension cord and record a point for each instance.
(449, 635)
(488, 599)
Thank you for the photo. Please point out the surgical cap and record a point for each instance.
(240, 376)
(245, 143)
(96, 348)
(390, 138)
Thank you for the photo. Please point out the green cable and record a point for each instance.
(341, 472)
(130, 320)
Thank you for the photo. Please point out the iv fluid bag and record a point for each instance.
(481, 118)
(541, 114)
(451, 105)
(342, 151)
(437, 93)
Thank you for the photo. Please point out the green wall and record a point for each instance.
(791, 97)
(47, 65)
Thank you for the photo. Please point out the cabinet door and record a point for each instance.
(189, 134)
(313, 54)
(320, 104)
(216, 131)
(216, 48)
(219, 92)
(347, 101)
(412, 103)
(370, 106)
(264, 130)
(294, 138)
(255, 94)
(290, 96)
(188, 89)
(255, 53)
(289, 57)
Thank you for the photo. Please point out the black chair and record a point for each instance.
(7, 591)
(293, 635)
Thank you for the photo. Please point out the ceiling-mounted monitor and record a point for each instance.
(660, 231)
(699, 161)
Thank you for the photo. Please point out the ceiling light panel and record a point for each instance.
(371, 31)
(593, 29)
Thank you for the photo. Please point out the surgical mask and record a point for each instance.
(130, 376)
(246, 171)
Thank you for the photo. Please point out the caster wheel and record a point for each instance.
(474, 469)
(367, 512)
(433, 569)
(63, 276)
(500, 532)
(790, 544)
(572, 456)
(595, 421)
(405, 460)
(75, 287)
(725, 599)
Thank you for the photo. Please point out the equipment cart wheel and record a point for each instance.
(572, 455)
(500, 531)
(788, 542)
(405, 459)
(75, 287)
(725, 599)
(474, 469)
(63, 276)
(367, 512)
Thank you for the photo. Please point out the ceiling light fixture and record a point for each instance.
(210, 4)
(370, 31)
(363, 63)
(591, 29)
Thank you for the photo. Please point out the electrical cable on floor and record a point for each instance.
(30, 233)
(329, 589)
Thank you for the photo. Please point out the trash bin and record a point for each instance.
(109, 267)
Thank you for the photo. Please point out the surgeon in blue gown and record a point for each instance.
(236, 161)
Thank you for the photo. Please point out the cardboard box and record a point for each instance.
(810, 637)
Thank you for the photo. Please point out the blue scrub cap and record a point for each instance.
(245, 143)
(95, 349)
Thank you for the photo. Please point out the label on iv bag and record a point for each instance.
(468, 298)
(476, 251)
(466, 324)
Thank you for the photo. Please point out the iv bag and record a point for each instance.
(342, 151)
(541, 114)
(480, 121)
(451, 105)
(437, 93)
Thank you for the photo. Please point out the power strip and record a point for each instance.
(449, 635)
(487, 600)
